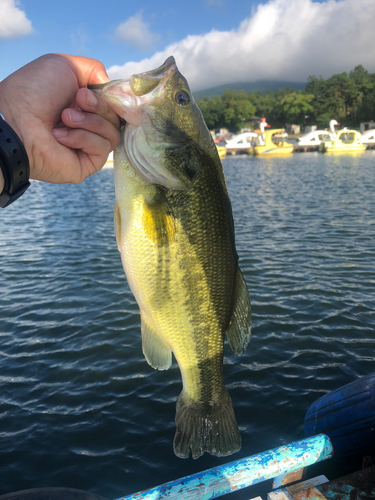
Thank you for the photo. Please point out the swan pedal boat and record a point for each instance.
(273, 143)
(346, 141)
(241, 143)
(311, 141)
(368, 138)
(222, 151)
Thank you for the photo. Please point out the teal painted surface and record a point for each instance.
(239, 474)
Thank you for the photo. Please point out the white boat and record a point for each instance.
(109, 162)
(240, 144)
(332, 132)
(311, 140)
(368, 138)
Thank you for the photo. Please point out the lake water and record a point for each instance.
(79, 405)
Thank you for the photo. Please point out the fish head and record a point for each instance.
(164, 126)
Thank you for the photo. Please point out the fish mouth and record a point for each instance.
(144, 83)
(122, 100)
(128, 97)
(129, 106)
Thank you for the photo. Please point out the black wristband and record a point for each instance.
(14, 164)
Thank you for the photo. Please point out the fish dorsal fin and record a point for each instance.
(157, 353)
(239, 330)
(117, 221)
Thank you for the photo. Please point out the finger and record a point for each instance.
(87, 71)
(88, 101)
(91, 122)
(95, 147)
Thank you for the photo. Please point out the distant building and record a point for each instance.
(220, 135)
(310, 128)
(367, 126)
(292, 129)
(220, 132)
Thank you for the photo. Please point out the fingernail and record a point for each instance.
(58, 133)
(76, 116)
(92, 101)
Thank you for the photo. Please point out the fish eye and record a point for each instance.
(182, 98)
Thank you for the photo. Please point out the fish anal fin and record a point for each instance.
(205, 428)
(157, 353)
(117, 221)
(239, 329)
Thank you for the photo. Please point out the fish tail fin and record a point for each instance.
(201, 428)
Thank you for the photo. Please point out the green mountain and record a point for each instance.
(258, 86)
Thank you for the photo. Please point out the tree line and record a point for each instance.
(347, 98)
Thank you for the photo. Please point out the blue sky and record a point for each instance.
(214, 41)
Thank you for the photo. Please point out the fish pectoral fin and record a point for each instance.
(157, 353)
(158, 220)
(117, 221)
(239, 329)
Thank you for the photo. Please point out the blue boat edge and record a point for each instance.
(347, 416)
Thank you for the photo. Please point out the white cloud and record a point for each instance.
(13, 21)
(136, 32)
(283, 39)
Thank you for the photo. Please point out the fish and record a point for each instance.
(175, 232)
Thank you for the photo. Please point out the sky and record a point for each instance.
(214, 42)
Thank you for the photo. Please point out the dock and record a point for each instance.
(303, 149)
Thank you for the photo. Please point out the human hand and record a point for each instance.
(67, 131)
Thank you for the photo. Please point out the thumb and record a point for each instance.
(88, 71)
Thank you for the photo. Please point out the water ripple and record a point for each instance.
(80, 407)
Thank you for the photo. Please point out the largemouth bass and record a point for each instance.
(174, 229)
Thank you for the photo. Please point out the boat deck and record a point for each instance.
(358, 485)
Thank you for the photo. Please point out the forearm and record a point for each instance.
(14, 165)
(5, 109)
(11, 106)
(1, 181)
